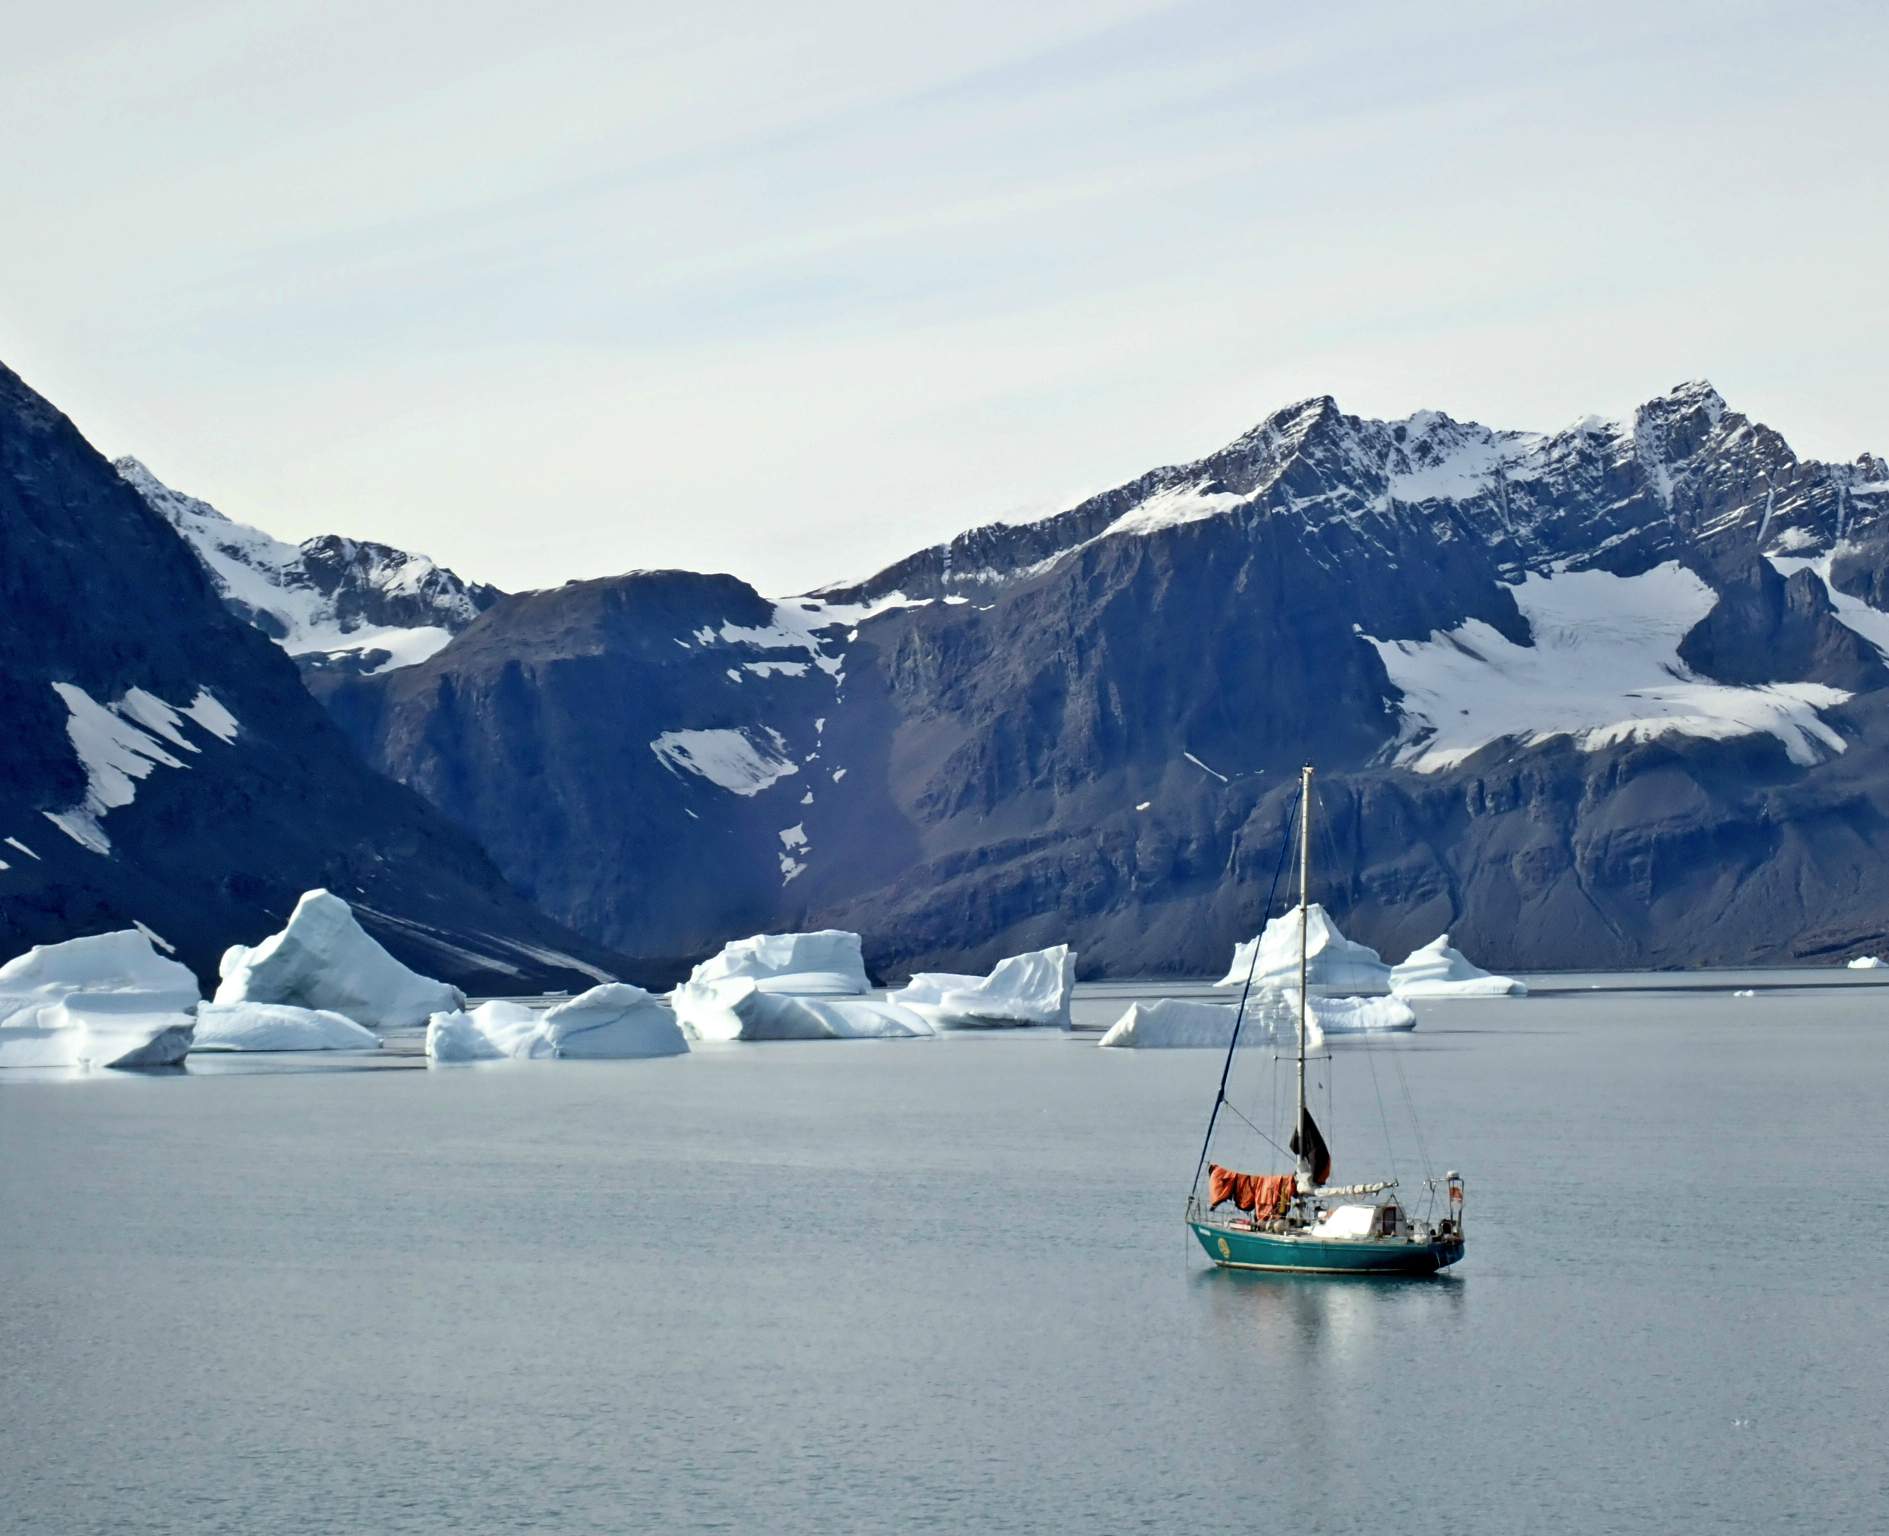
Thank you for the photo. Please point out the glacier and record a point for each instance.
(1604, 668)
(324, 959)
(1437, 970)
(106, 1000)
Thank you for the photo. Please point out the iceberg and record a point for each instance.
(491, 1032)
(1024, 989)
(1334, 964)
(277, 1027)
(612, 1022)
(823, 964)
(738, 1009)
(1180, 1023)
(1352, 1015)
(1866, 963)
(1437, 970)
(324, 959)
(1172, 1023)
(107, 1000)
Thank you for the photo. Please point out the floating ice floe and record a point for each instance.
(737, 1008)
(613, 1022)
(1172, 1023)
(277, 1027)
(495, 1031)
(1351, 1015)
(1745, 992)
(827, 963)
(1180, 1023)
(108, 1000)
(1437, 970)
(1866, 963)
(1027, 989)
(324, 959)
(1335, 965)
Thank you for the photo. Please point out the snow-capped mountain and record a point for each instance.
(329, 602)
(163, 764)
(1611, 694)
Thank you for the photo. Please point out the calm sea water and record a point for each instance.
(945, 1287)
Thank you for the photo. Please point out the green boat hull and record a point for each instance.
(1291, 1254)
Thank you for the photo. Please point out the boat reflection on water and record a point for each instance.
(1323, 1321)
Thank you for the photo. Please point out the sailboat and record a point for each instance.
(1299, 1222)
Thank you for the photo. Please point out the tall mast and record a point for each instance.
(1305, 871)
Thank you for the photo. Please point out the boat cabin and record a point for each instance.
(1386, 1220)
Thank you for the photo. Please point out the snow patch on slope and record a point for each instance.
(119, 744)
(729, 759)
(1604, 668)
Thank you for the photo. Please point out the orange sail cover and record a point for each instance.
(1264, 1194)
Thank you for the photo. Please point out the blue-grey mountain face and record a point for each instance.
(1614, 695)
(162, 763)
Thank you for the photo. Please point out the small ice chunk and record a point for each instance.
(493, 1031)
(277, 1027)
(325, 959)
(1351, 1015)
(1866, 963)
(612, 1022)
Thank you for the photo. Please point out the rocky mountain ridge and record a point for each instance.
(164, 765)
(332, 603)
(1610, 695)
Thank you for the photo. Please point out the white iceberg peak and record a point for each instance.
(1437, 970)
(1335, 964)
(324, 959)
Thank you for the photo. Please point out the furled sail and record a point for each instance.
(1310, 1149)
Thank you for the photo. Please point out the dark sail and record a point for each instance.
(1316, 1153)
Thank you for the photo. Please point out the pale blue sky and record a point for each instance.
(554, 290)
